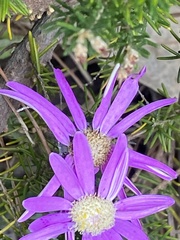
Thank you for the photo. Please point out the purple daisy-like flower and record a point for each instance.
(106, 124)
(93, 211)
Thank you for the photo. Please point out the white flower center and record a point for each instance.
(100, 147)
(93, 215)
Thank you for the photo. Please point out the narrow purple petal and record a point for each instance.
(49, 232)
(70, 235)
(121, 194)
(62, 118)
(106, 100)
(70, 160)
(68, 196)
(26, 215)
(138, 160)
(87, 236)
(48, 220)
(115, 171)
(141, 206)
(134, 117)
(66, 176)
(51, 187)
(129, 230)
(45, 110)
(137, 223)
(83, 163)
(119, 176)
(46, 204)
(124, 97)
(71, 101)
(111, 234)
(99, 237)
(131, 186)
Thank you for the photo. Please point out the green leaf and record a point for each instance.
(152, 24)
(4, 9)
(18, 7)
(34, 52)
(67, 26)
(175, 35)
(170, 50)
(48, 48)
(178, 76)
(168, 58)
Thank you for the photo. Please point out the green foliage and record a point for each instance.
(175, 53)
(155, 224)
(118, 23)
(162, 124)
(7, 45)
(4, 7)
(26, 171)
(7, 7)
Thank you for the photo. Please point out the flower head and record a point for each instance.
(106, 124)
(96, 214)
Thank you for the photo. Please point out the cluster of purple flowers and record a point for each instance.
(97, 211)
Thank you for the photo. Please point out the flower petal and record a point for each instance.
(131, 186)
(137, 223)
(71, 101)
(105, 102)
(46, 204)
(122, 195)
(122, 100)
(142, 206)
(45, 109)
(87, 236)
(99, 237)
(111, 234)
(49, 232)
(115, 171)
(26, 215)
(83, 163)
(70, 235)
(51, 187)
(66, 176)
(134, 117)
(129, 230)
(138, 160)
(62, 118)
(70, 161)
(48, 220)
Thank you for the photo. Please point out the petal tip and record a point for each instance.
(143, 71)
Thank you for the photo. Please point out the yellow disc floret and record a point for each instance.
(93, 215)
(100, 147)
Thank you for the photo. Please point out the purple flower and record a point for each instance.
(95, 212)
(106, 124)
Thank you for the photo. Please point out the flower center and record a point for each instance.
(100, 147)
(93, 215)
